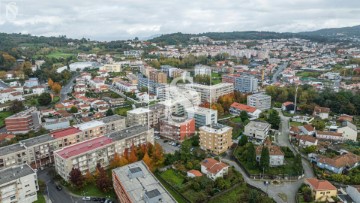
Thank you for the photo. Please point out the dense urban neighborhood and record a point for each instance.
(214, 117)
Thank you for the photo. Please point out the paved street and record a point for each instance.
(279, 70)
(67, 88)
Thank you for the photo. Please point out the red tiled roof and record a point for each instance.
(329, 133)
(306, 138)
(309, 127)
(213, 166)
(83, 147)
(319, 109)
(320, 184)
(64, 132)
(287, 103)
(349, 159)
(195, 173)
(243, 107)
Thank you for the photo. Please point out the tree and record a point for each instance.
(56, 88)
(116, 161)
(250, 154)
(132, 157)
(50, 82)
(157, 155)
(109, 112)
(265, 158)
(310, 149)
(307, 194)
(319, 124)
(243, 140)
(73, 109)
(89, 178)
(76, 178)
(44, 99)
(244, 116)
(103, 182)
(16, 106)
(298, 164)
(148, 161)
(274, 119)
(185, 154)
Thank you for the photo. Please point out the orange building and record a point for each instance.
(177, 128)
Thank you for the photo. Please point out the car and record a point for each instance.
(165, 141)
(173, 144)
(170, 143)
(192, 149)
(86, 198)
(58, 187)
(96, 199)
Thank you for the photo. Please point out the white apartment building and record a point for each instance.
(202, 70)
(348, 131)
(18, 184)
(259, 101)
(146, 116)
(246, 84)
(213, 92)
(203, 116)
(114, 67)
(257, 130)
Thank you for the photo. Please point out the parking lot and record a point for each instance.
(166, 146)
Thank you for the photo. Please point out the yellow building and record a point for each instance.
(322, 190)
(114, 67)
(215, 138)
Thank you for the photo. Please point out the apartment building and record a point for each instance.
(203, 116)
(177, 128)
(113, 123)
(213, 92)
(257, 130)
(134, 183)
(202, 70)
(146, 116)
(18, 184)
(67, 136)
(158, 76)
(246, 84)
(215, 138)
(23, 121)
(91, 129)
(151, 85)
(114, 67)
(84, 156)
(135, 135)
(259, 101)
(35, 151)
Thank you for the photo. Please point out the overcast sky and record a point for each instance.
(126, 19)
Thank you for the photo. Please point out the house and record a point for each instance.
(294, 130)
(213, 168)
(194, 173)
(348, 131)
(307, 129)
(38, 90)
(339, 163)
(345, 117)
(287, 106)
(257, 130)
(276, 155)
(306, 140)
(353, 192)
(237, 108)
(302, 119)
(321, 112)
(322, 190)
(329, 135)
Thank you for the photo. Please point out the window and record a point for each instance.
(27, 185)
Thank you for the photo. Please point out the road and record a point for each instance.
(280, 69)
(3, 85)
(67, 88)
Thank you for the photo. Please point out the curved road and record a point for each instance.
(280, 69)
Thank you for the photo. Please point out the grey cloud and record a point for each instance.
(123, 19)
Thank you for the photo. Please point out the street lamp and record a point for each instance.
(296, 91)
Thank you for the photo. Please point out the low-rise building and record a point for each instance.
(307, 129)
(259, 101)
(349, 131)
(306, 140)
(23, 121)
(84, 156)
(257, 130)
(287, 106)
(134, 183)
(322, 190)
(18, 184)
(215, 138)
(329, 135)
(276, 155)
(237, 108)
(339, 163)
(214, 169)
(321, 112)
(114, 67)
(193, 173)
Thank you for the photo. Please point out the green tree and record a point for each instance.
(73, 109)
(16, 106)
(44, 99)
(243, 140)
(265, 158)
(244, 116)
(298, 164)
(274, 119)
(310, 149)
(185, 154)
(319, 124)
(250, 154)
(109, 112)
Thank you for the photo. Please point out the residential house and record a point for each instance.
(307, 129)
(287, 106)
(237, 108)
(339, 163)
(329, 135)
(322, 190)
(257, 130)
(193, 173)
(306, 140)
(214, 169)
(321, 112)
(276, 155)
(348, 130)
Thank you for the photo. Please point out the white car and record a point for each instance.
(86, 198)
(170, 143)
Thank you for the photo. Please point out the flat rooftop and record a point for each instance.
(112, 118)
(90, 124)
(64, 132)
(140, 110)
(15, 172)
(216, 128)
(37, 140)
(138, 181)
(220, 85)
(128, 132)
(26, 112)
(11, 149)
(258, 124)
(84, 147)
(201, 110)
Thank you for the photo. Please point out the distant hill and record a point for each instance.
(322, 35)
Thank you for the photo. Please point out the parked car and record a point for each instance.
(170, 143)
(86, 198)
(165, 141)
(58, 187)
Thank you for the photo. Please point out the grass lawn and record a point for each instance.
(215, 78)
(122, 111)
(58, 54)
(3, 115)
(178, 198)
(172, 177)
(93, 191)
(294, 123)
(233, 195)
(236, 120)
(41, 199)
(31, 101)
(56, 99)
(307, 74)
